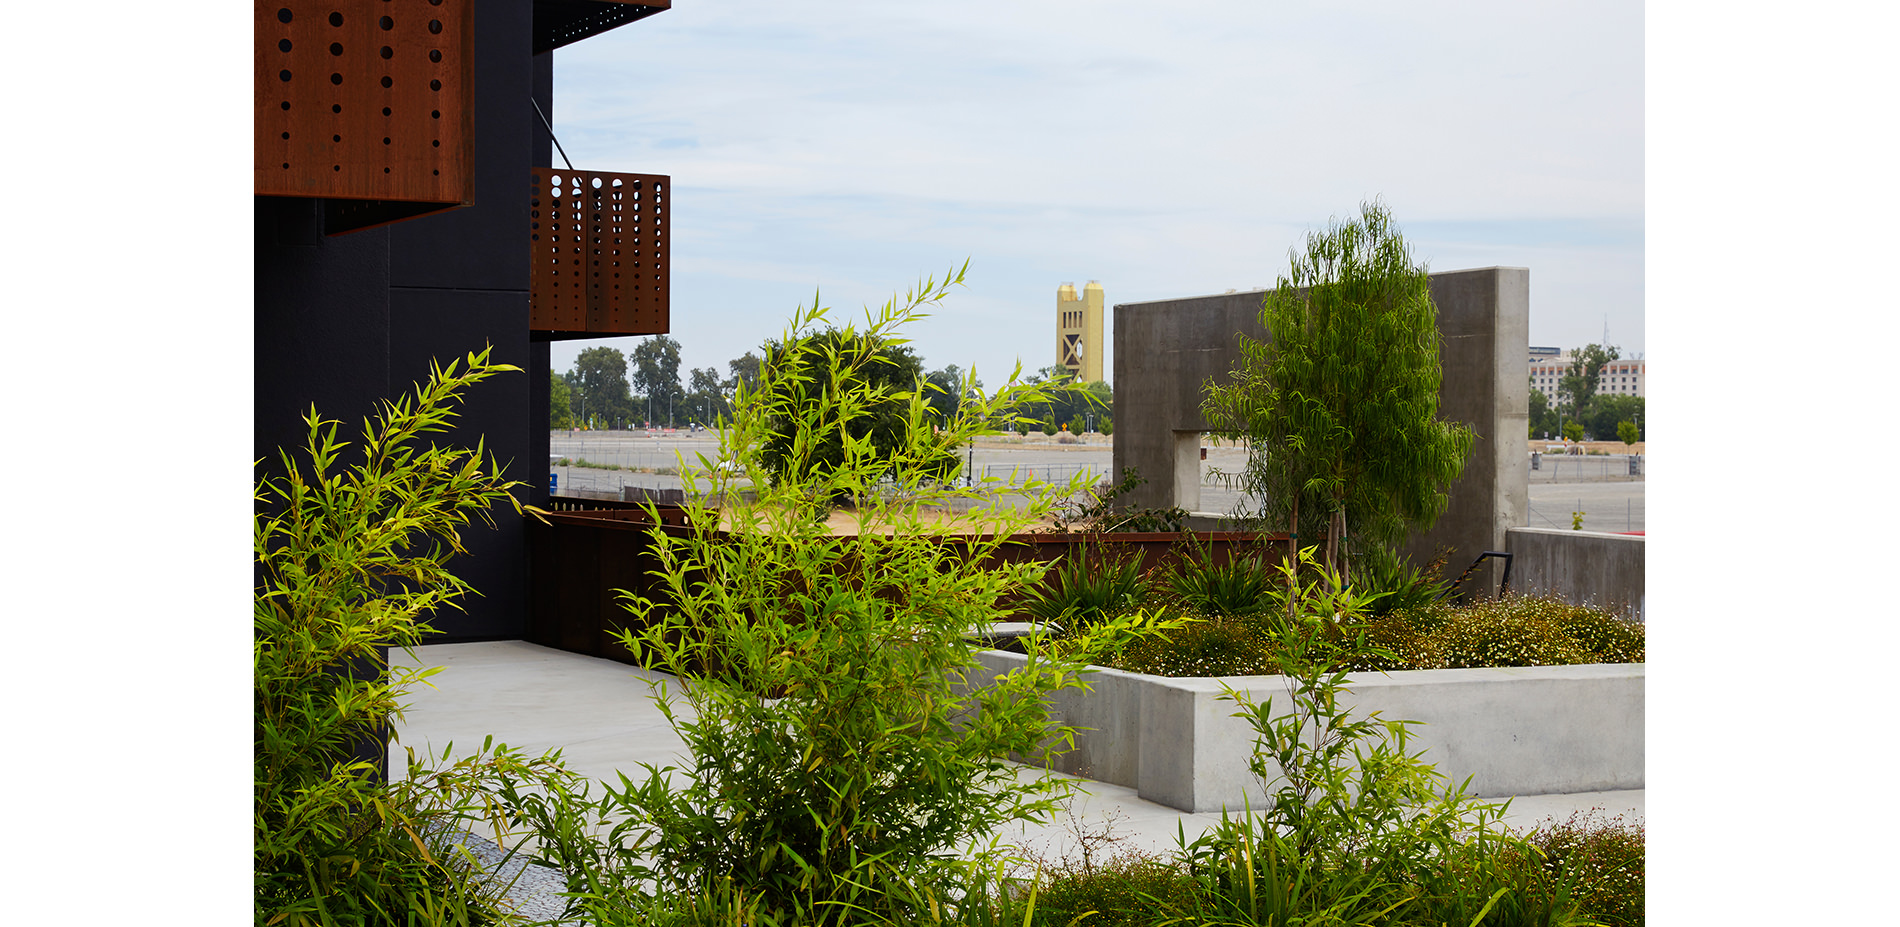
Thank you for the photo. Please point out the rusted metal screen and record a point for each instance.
(598, 253)
(583, 556)
(366, 100)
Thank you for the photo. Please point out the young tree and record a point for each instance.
(656, 374)
(1626, 432)
(706, 400)
(602, 373)
(1340, 403)
(1579, 383)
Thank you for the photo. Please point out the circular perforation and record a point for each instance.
(386, 78)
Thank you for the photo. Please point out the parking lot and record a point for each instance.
(1598, 486)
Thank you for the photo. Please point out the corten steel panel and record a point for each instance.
(597, 253)
(365, 100)
(562, 22)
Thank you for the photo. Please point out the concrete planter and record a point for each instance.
(1512, 730)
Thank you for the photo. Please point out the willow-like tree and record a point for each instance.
(1340, 402)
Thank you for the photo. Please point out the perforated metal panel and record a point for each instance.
(563, 22)
(365, 100)
(598, 253)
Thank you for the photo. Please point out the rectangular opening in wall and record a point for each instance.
(365, 104)
(598, 251)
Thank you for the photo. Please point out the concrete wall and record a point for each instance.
(1166, 350)
(1583, 567)
(1512, 730)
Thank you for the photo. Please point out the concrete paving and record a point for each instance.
(603, 717)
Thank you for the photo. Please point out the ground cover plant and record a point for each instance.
(1236, 610)
(1357, 829)
(352, 558)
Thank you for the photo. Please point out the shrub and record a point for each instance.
(1354, 817)
(1214, 647)
(1133, 890)
(887, 370)
(1607, 638)
(1245, 584)
(1604, 859)
(840, 770)
(1399, 586)
(1495, 881)
(1526, 631)
(1094, 583)
(352, 559)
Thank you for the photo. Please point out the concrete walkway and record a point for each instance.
(603, 717)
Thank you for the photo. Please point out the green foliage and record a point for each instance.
(1605, 412)
(1131, 890)
(600, 375)
(1626, 432)
(1543, 417)
(1496, 881)
(1340, 402)
(1526, 631)
(1094, 583)
(1210, 647)
(1605, 862)
(840, 770)
(352, 558)
(947, 389)
(881, 375)
(1354, 816)
(1432, 634)
(655, 368)
(1102, 514)
(1049, 427)
(706, 402)
(1397, 585)
(560, 403)
(1573, 430)
(1578, 385)
(1245, 583)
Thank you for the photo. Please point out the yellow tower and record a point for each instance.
(1079, 330)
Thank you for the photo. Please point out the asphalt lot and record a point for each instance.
(1600, 487)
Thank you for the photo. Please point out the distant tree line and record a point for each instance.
(1578, 411)
(608, 389)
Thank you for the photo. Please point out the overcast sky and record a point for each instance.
(1165, 150)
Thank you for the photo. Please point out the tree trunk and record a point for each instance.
(1293, 560)
(1332, 549)
(1345, 552)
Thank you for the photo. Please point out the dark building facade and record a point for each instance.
(398, 212)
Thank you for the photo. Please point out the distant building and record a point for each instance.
(1620, 377)
(1079, 340)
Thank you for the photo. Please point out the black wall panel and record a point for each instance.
(321, 319)
(431, 324)
(484, 246)
(349, 320)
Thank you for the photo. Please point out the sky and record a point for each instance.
(849, 149)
